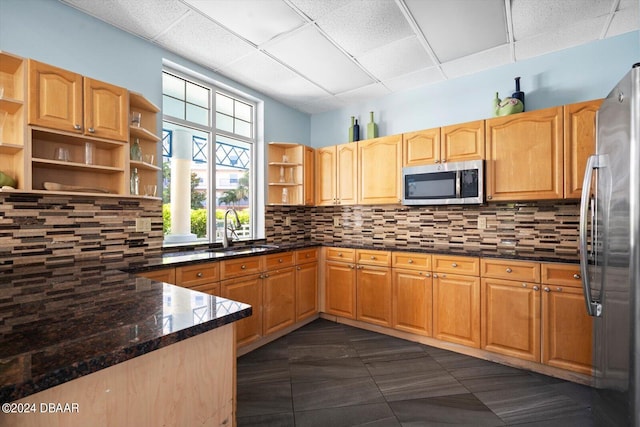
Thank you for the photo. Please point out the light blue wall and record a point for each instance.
(572, 75)
(51, 32)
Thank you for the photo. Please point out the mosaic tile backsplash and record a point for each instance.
(545, 227)
(53, 229)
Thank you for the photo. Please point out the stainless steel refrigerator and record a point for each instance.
(610, 254)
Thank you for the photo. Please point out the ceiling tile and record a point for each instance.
(565, 37)
(362, 25)
(319, 60)
(315, 9)
(415, 79)
(204, 41)
(321, 105)
(256, 20)
(470, 64)
(531, 18)
(626, 19)
(396, 58)
(146, 18)
(455, 28)
(268, 76)
(364, 93)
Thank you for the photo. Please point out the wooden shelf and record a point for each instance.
(140, 132)
(10, 105)
(7, 148)
(285, 164)
(137, 100)
(77, 193)
(58, 164)
(143, 165)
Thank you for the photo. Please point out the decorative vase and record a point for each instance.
(351, 129)
(356, 131)
(372, 128)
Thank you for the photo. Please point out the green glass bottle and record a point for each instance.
(351, 129)
(372, 128)
(136, 151)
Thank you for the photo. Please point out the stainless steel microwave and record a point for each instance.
(456, 183)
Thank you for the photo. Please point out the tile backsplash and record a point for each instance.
(548, 227)
(56, 229)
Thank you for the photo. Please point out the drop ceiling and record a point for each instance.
(319, 55)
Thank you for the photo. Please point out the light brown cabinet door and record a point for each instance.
(412, 299)
(579, 143)
(347, 174)
(524, 156)
(340, 289)
(55, 98)
(456, 309)
(249, 291)
(511, 318)
(208, 288)
(306, 290)
(380, 165)
(106, 110)
(374, 295)
(567, 330)
(421, 147)
(278, 299)
(462, 142)
(309, 176)
(326, 176)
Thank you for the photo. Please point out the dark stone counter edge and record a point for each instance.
(94, 364)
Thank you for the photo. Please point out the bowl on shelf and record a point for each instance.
(6, 180)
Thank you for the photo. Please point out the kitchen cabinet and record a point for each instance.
(337, 175)
(380, 170)
(567, 330)
(167, 275)
(246, 289)
(66, 101)
(289, 174)
(309, 176)
(12, 117)
(373, 285)
(412, 293)
(454, 143)
(200, 277)
(579, 143)
(147, 136)
(525, 156)
(279, 288)
(306, 283)
(340, 282)
(456, 299)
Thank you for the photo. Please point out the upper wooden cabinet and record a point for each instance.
(309, 176)
(63, 100)
(524, 156)
(455, 143)
(579, 143)
(289, 169)
(380, 165)
(337, 175)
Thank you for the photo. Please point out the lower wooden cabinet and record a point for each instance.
(373, 294)
(511, 318)
(340, 289)
(278, 299)
(306, 290)
(412, 299)
(246, 289)
(456, 309)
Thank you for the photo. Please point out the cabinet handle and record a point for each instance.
(435, 275)
(454, 265)
(436, 161)
(546, 289)
(372, 257)
(91, 130)
(489, 197)
(199, 274)
(508, 270)
(243, 267)
(351, 266)
(339, 254)
(535, 288)
(298, 268)
(444, 160)
(410, 261)
(360, 267)
(266, 275)
(306, 255)
(577, 276)
(77, 127)
(428, 275)
(524, 285)
(444, 276)
(279, 259)
(559, 289)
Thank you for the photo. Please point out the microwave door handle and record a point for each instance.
(458, 184)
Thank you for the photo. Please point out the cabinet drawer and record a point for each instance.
(562, 274)
(197, 274)
(303, 256)
(510, 270)
(240, 267)
(167, 275)
(279, 260)
(382, 258)
(411, 261)
(208, 288)
(341, 254)
(469, 266)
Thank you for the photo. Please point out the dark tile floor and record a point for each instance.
(327, 374)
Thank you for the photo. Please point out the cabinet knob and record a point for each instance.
(546, 289)
(410, 261)
(489, 197)
(280, 260)
(436, 161)
(577, 276)
(298, 268)
(77, 127)
(351, 266)
(91, 130)
(339, 254)
(444, 160)
(435, 275)
(559, 289)
(360, 267)
(454, 265)
(243, 267)
(508, 270)
(535, 288)
(373, 257)
(524, 285)
(428, 275)
(306, 255)
(199, 274)
(444, 276)
(266, 275)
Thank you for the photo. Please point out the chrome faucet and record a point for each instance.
(226, 241)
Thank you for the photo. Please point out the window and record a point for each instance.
(208, 160)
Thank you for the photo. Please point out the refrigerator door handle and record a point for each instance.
(594, 308)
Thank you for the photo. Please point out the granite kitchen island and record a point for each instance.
(89, 344)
